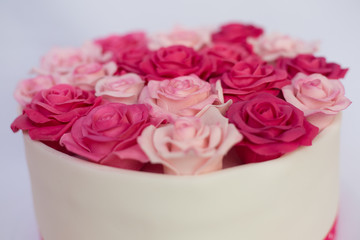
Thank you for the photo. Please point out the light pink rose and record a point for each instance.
(180, 36)
(190, 146)
(182, 96)
(272, 46)
(86, 76)
(317, 96)
(61, 62)
(123, 89)
(27, 89)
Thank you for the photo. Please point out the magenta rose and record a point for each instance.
(53, 111)
(317, 96)
(107, 135)
(271, 127)
(309, 64)
(224, 56)
(249, 77)
(175, 61)
(236, 33)
(127, 50)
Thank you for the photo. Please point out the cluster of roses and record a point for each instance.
(178, 102)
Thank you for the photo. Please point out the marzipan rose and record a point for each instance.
(86, 76)
(126, 50)
(107, 135)
(235, 33)
(61, 62)
(180, 36)
(317, 96)
(123, 89)
(271, 127)
(272, 46)
(27, 89)
(175, 61)
(190, 146)
(53, 111)
(308, 64)
(249, 77)
(182, 96)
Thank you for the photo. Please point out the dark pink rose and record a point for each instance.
(175, 61)
(271, 127)
(309, 64)
(224, 56)
(53, 111)
(107, 135)
(127, 50)
(236, 33)
(248, 77)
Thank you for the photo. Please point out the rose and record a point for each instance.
(175, 61)
(123, 89)
(308, 64)
(317, 96)
(195, 39)
(182, 96)
(86, 76)
(53, 111)
(190, 146)
(270, 47)
(27, 89)
(224, 56)
(127, 50)
(61, 62)
(271, 127)
(235, 33)
(107, 135)
(249, 77)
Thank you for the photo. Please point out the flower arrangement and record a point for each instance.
(180, 102)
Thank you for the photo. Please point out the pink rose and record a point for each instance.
(27, 89)
(127, 50)
(190, 146)
(53, 111)
(175, 61)
(86, 76)
(308, 64)
(61, 62)
(182, 96)
(235, 33)
(271, 128)
(107, 135)
(317, 96)
(195, 39)
(270, 47)
(123, 89)
(250, 77)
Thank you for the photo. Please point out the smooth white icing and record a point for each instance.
(294, 197)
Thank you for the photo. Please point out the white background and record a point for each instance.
(30, 28)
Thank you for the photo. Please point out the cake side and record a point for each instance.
(293, 197)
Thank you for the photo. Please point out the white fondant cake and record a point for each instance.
(294, 197)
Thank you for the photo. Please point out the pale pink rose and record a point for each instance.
(123, 89)
(180, 36)
(272, 46)
(86, 76)
(61, 62)
(182, 96)
(317, 96)
(190, 146)
(27, 89)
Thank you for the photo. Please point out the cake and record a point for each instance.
(228, 133)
